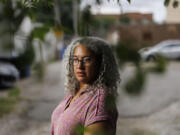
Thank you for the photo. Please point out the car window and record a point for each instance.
(172, 45)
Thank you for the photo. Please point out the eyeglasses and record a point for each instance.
(85, 61)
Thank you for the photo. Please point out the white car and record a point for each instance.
(170, 49)
(8, 74)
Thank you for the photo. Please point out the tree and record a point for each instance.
(43, 10)
(175, 3)
(75, 16)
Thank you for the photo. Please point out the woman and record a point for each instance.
(91, 80)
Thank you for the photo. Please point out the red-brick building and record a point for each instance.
(134, 18)
(141, 29)
(149, 35)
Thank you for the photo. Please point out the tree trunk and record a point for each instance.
(75, 16)
(57, 16)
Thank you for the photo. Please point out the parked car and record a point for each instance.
(19, 60)
(8, 74)
(169, 49)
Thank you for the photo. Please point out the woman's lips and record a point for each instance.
(81, 74)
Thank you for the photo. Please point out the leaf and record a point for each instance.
(3, 1)
(50, 3)
(129, 1)
(99, 1)
(175, 4)
(40, 32)
(124, 49)
(160, 65)
(166, 2)
(79, 129)
(135, 85)
(64, 28)
(119, 1)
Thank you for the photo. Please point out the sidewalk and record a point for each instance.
(32, 115)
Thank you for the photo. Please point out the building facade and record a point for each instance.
(173, 14)
(149, 35)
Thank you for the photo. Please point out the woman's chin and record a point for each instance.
(82, 80)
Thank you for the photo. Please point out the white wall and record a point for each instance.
(173, 14)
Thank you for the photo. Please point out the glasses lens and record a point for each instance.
(85, 61)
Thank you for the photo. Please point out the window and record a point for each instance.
(147, 36)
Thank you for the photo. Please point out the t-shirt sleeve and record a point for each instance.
(97, 110)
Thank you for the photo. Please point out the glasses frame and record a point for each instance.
(86, 61)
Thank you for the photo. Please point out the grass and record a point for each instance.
(7, 104)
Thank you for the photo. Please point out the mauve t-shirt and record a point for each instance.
(88, 108)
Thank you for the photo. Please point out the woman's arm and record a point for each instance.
(99, 128)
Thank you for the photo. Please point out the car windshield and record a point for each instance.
(172, 45)
(4, 63)
(167, 44)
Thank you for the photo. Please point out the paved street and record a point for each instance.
(156, 110)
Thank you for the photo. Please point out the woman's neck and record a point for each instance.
(81, 88)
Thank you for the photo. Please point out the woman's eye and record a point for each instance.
(75, 60)
(86, 60)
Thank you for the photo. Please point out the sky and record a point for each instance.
(156, 7)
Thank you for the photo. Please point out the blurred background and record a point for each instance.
(144, 36)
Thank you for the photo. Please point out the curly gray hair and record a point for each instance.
(108, 77)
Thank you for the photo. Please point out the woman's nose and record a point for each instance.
(80, 64)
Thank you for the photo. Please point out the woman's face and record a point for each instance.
(85, 65)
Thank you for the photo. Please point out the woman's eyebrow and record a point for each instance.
(83, 56)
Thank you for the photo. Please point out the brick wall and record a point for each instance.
(149, 35)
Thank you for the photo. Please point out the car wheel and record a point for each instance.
(151, 58)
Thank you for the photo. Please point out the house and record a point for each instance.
(136, 18)
(142, 31)
(149, 35)
(129, 26)
(128, 18)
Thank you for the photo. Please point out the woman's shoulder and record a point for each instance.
(99, 109)
(97, 95)
(104, 98)
(99, 91)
